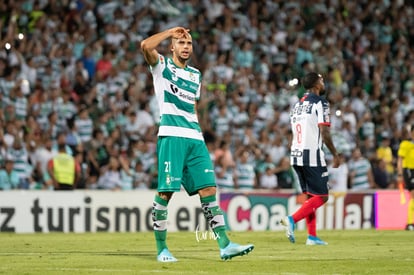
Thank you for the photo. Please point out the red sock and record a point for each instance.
(311, 224)
(308, 207)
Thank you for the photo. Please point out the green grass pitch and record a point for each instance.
(348, 252)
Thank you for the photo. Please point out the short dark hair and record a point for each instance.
(310, 80)
(61, 147)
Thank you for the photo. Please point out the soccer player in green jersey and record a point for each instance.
(183, 158)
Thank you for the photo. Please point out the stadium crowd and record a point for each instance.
(74, 68)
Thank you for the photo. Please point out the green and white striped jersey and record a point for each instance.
(177, 89)
(20, 106)
(245, 175)
(84, 128)
(21, 162)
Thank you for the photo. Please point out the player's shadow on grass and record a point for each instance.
(141, 254)
(184, 255)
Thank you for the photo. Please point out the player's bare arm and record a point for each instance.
(196, 109)
(149, 45)
(327, 139)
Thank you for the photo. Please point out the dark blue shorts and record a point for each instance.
(313, 180)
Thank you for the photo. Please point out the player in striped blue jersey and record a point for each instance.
(183, 158)
(310, 121)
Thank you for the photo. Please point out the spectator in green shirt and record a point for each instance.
(9, 179)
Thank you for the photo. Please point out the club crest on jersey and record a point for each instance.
(192, 77)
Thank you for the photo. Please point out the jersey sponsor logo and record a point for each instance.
(301, 109)
(186, 96)
(296, 119)
(296, 153)
(173, 88)
(193, 86)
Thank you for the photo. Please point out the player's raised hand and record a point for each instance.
(180, 32)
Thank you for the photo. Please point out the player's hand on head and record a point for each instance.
(179, 32)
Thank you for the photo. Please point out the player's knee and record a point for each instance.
(165, 195)
(322, 199)
(208, 191)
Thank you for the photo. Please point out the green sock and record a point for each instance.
(160, 239)
(215, 219)
(159, 217)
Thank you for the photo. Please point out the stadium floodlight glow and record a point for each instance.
(293, 82)
(7, 46)
(338, 113)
